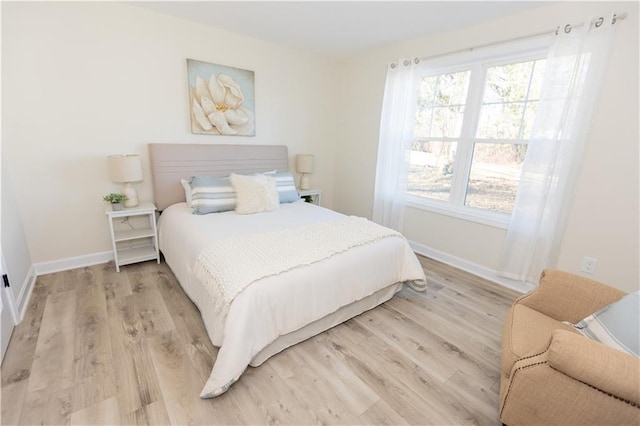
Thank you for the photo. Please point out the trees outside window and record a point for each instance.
(473, 122)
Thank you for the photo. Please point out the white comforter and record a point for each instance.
(281, 304)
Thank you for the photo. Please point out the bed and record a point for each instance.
(278, 309)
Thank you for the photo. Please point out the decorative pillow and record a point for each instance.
(287, 192)
(255, 194)
(211, 194)
(187, 191)
(616, 325)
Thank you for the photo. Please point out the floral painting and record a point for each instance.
(222, 99)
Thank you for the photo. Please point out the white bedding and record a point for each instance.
(281, 304)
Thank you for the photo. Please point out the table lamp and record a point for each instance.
(126, 169)
(304, 165)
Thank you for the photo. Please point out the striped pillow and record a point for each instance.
(616, 325)
(211, 194)
(287, 192)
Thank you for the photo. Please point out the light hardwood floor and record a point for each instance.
(100, 347)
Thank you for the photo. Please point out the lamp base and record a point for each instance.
(304, 181)
(132, 195)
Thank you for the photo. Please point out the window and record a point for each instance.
(472, 125)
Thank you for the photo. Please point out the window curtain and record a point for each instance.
(394, 146)
(574, 72)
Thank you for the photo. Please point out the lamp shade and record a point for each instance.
(125, 168)
(304, 163)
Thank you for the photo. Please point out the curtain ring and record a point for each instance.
(615, 18)
(393, 65)
(567, 28)
(416, 61)
(599, 22)
(558, 30)
(407, 62)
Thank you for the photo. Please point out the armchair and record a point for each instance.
(552, 374)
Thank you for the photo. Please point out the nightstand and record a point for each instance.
(311, 195)
(134, 235)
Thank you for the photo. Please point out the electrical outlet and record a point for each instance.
(589, 265)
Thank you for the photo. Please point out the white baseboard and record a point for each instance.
(473, 268)
(42, 268)
(25, 292)
(52, 266)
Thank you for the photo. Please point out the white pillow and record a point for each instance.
(254, 194)
(187, 191)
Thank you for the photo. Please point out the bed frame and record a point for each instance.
(172, 162)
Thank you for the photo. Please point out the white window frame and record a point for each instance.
(478, 63)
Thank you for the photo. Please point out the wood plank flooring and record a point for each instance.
(101, 347)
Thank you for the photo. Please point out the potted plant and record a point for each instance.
(116, 200)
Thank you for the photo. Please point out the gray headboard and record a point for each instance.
(172, 162)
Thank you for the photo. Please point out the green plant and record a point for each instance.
(114, 198)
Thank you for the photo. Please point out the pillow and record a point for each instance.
(187, 191)
(211, 194)
(255, 194)
(287, 192)
(616, 325)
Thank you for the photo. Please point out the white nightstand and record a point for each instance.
(313, 193)
(134, 237)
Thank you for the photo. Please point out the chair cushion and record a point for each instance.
(526, 333)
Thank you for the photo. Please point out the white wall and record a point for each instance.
(84, 80)
(603, 222)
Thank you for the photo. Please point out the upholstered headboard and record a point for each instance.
(172, 162)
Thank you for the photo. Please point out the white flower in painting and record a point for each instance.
(216, 107)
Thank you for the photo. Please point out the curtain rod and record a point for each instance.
(567, 28)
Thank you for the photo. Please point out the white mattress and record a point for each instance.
(278, 305)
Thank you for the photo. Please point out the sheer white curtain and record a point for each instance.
(394, 146)
(574, 71)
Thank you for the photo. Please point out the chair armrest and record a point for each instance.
(569, 297)
(590, 362)
(576, 381)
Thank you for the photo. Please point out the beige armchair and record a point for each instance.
(551, 374)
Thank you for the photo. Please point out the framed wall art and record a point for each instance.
(221, 99)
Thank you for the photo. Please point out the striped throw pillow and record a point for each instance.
(616, 325)
(286, 186)
(211, 194)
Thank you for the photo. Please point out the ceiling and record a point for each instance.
(337, 28)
